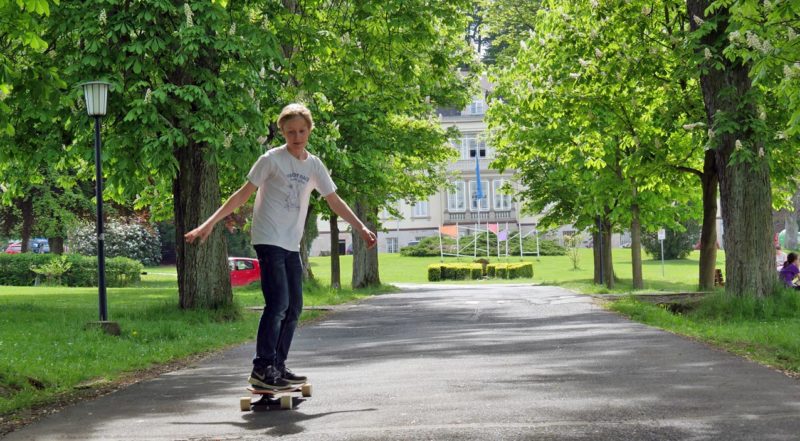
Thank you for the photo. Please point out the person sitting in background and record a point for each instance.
(780, 257)
(790, 271)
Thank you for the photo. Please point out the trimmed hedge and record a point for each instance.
(510, 270)
(15, 270)
(474, 271)
(454, 271)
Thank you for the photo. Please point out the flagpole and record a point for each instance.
(441, 250)
(519, 231)
(498, 240)
(475, 241)
(458, 243)
(506, 241)
(488, 248)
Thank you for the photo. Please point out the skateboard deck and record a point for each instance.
(264, 396)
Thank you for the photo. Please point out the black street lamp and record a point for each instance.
(96, 95)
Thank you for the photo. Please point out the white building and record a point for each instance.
(456, 205)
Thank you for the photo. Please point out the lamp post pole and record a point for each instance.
(101, 258)
(96, 95)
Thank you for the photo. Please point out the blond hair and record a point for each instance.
(294, 110)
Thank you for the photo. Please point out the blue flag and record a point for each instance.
(479, 190)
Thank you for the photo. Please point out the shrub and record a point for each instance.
(677, 244)
(454, 271)
(429, 246)
(53, 270)
(123, 238)
(511, 270)
(474, 271)
(17, 269)
(434, 273)
(546, 248)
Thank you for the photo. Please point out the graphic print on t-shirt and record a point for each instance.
(296, 184)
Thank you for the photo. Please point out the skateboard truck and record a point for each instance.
(284, 395)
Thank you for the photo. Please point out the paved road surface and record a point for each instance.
(462, 363)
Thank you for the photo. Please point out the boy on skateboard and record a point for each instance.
(283, 178)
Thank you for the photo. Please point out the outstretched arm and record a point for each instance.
(341, 208)
(236, 200)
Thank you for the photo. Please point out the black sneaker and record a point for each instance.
(268, 378)
(291, 377)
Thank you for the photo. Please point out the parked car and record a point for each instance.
(38, 245)
(244, 270)
(14, 247)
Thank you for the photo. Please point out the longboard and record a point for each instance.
(283, 395)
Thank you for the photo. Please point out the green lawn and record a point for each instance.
(678, 275)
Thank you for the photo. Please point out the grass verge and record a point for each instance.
(764, 330)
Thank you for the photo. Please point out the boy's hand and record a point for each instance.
(368, 237)
(202, 232)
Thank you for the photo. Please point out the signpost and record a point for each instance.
(662, 234)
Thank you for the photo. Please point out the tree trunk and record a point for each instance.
(365, 262)
(597, 247)
(309, 234)
(744, 183)
(26, 207)
(203, 276)
(708, 232)
(608, 262)
(56, 245)
(636, 245)
(601, 249)
(790, 235)
(336, 268)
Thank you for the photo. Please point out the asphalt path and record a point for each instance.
(439, 362)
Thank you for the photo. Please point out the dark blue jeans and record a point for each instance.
(282, 285)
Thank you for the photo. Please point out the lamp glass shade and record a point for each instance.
(96, 95)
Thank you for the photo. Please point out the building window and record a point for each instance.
(476, 107)
(502, 201)
(392, 245)
(473, 144)
(455, 197)
(479, 204)
(420, 209)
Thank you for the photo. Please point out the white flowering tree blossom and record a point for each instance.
(736, 116)
(766, 35)
(590, 110)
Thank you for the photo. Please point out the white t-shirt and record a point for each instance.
(284, 188)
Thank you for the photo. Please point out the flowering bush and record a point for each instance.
(123, 238)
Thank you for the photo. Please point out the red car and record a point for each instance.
(14, 248)
(244, 271)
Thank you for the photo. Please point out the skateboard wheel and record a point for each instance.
(286, 402)
(306, 390)
(244, 404)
